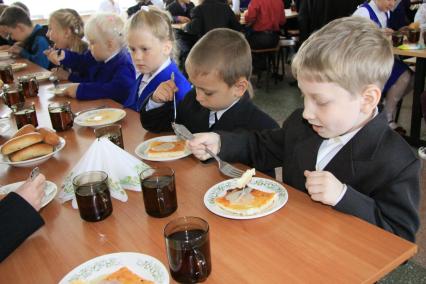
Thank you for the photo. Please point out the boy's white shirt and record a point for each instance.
(363, 12)
(219, 114)
(329, 149)
(148, 77)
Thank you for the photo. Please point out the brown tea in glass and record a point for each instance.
(29, 86)
(61, 116)
(397, 39)
(12, 95)
(92, 195)
(112, 133)
(25, 113)
(6, 73)
(413, 36)
(188, 249)
(159, 191)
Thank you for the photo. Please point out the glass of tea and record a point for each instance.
(397, 39)
(12, 95)
(92, 195)
(29, 86)
(112, 132)
(6, 73)
(413, 35)
(159, 191)
(61, 115)
(25, 113)
(188, 249)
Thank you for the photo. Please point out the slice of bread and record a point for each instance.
(31, 152)
(125, 276)
(162, 149)
(252, 203)
(21, 142)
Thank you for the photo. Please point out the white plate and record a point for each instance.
(263, 184)
(145, 266)
(99, 117)
(58, 91)
(50, 190)
(4, 125)
(19, 66)
(35, 161)
(41, 76)
(140, 150)
(5, 55)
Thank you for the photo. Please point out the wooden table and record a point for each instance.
(419, 84)
(303, 242)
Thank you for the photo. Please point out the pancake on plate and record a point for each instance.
(102, 116)
(166, 149)
(121, 276)
(247, 202)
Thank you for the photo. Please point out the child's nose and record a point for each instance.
(308, 114)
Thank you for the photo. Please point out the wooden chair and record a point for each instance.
(285, 46)
(271, 55)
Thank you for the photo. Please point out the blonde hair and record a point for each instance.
(158, 22)
(351, 52)
(104, 27)
(70, 19)
(224, 51)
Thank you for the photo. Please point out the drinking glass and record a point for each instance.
(112, 132)
(29, 86)
(25, 113)
(61, 115)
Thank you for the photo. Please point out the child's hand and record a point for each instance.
(33, 191)
(15, 49)
(53, 56)
(164, 92)
(202, 141)
(323, 186)
(388, 31)
(71, 91)
(61, 73)
(183, 19)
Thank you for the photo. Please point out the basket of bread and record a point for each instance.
(30, 146)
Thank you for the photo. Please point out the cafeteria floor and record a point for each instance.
(283, 98)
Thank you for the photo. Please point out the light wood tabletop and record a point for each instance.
(304, 241)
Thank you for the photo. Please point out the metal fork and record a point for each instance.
(224, 167)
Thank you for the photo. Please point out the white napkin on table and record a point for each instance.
(122, 168)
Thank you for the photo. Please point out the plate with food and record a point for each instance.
(163, 148)
(59, 89)
(117, 267)
(5, 55)
(17, 66)
(41, 76)
(50, 190)
(246, 198)
(30, 147)
(100, 117)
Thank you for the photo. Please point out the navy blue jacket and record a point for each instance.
(98, 80)
(34, 45)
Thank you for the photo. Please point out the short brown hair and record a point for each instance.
(13, 15)
(351, 52)
(224, 51)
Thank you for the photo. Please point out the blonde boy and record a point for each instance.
(338, 149)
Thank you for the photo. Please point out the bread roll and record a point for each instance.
(20, 142)
(33, 151)
(27, 128)
(49, 136)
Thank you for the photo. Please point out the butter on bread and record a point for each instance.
(166, 149)
(20, 142)
(31, 152)
(245, 178)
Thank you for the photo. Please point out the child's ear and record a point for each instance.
(240, 87)
(167, 47)
(370, 98)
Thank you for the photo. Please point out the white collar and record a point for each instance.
(149, 76)
(112, 56)
(219, 113)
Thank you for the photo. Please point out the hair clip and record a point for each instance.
(76, 31)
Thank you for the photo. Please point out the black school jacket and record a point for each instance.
(381, 171)
(243, 115)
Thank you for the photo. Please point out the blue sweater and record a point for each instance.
(98, 80)
(134, 102)
(33, 47)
